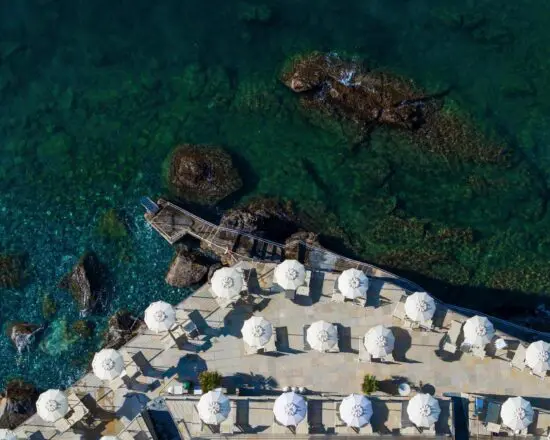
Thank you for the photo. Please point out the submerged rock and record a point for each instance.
(122, 327)
(58, 338)
(23, 335)
(202, 174)
(263, 217)
(11, 270)
(111, 226)
(84, 283)
(187, 268)
(19, 403)
(347, 90)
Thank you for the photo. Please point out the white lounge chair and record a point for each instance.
(518, 361)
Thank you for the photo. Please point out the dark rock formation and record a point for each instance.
(347, 90)
(11, 270)
(82, 328)
(20, 403)
(23, 335)
(267, 218)
(187, 268)
(292, 243)
(84, 283)
(202, 174)
(122, 327)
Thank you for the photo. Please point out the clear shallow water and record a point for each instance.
(94, 96)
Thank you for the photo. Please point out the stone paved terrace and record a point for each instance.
(327, 375)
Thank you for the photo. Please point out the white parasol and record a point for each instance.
(322, 336)
(213, 407)
(537, 356)
(290, 274)
(257, 331)
(478, 331)
(420, 307)
(517, 413)
(108, 364)
(353, 283)
(227, 283)
(423, 410)
(52, 405)
(290, 409)
(356, 410)
(160, 316)
(379, 341)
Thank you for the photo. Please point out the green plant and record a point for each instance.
(209, 380)
(370, 384)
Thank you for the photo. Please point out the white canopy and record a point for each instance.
(214, 407)
(420, 307)
(423, 410)
(478, 331)
(160, 316)
(356, 410)
(290, 409)
(537, 356)
(516, 413)
(290, 274)
(52, 405)
(257, 331)
(353, 283)
(322, 336)
(6, 434)
(227, 283)
(379, 341)
(108, 364)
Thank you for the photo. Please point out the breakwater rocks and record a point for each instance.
(202, 174)
(122, 327)
(19, 403)
(368, 99)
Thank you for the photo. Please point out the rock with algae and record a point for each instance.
(349, 91)
(20, 403)
(23, 335)
(111, 226)
(122, 327)
(58, 338)
(49, 307)
(202, 174)
(82, 328)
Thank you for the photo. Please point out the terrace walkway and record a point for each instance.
(326, 376)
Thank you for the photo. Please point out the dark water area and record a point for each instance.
(95, 94)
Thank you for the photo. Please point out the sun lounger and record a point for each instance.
(302, 428)
(290, 294)
(62, 425)
(361, 302)
(364, 355)
(130, 367)
(271, 345)
(399, 311)
(518, 361)
(407, 427)
(228, 425)
(340, 426)
(427, 325)
(478, 351)
(540, 374)
(307, 347)
(242, 415)
(338, 298)
(117, 382)
(492, 416)
(125, 436)
(451, 337)
(493, 427)
(367, 429)
(304, 289)
(248, 350)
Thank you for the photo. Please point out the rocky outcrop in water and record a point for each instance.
(18, 403)
(202, 174)
(122, 327)
(187, 268)
(23, 335)
(11, 270)
(292, 243)
(348, 91)
(263, 217)
(84, 283)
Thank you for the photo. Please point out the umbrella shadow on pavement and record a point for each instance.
(403, 342)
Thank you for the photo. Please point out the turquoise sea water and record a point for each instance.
(94, 95)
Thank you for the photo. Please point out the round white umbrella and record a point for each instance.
(6, 434)
(290, 409)
(290, 274)
(322, 336)
(227, 283)
(107, 364)
(379, 341)
(52, 405)
(353, 283)
(213, 407)
(420, 307)
(160, 316)
(257, 331)
(423, 410)
(356, 410)
(537, 356)
(478, 331)
(517, 413)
